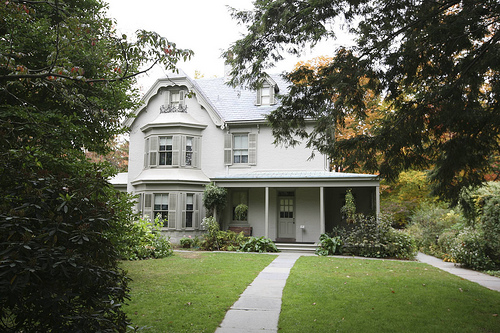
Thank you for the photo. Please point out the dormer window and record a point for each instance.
(175, 101)
(266, 94)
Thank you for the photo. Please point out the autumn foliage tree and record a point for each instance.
(66, 80)
(434, 63)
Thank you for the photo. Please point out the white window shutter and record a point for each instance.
(153, 151)
(167, 98)
(146, 153)
(148, 209)
(259, 97)
(195, 161)
(183, 151)
(271, 95)
(182, 208)
(228, 149)
(172, 210)
(252, 148)
(196, 210)
(138, 205)
(176, 147)
(182, 97)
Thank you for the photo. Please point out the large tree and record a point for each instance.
(435, 63)
(66, 81)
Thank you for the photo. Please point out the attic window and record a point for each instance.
(265, 94)
(175, 101)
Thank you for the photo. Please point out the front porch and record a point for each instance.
(295, 207)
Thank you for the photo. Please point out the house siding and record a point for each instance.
(212, 114)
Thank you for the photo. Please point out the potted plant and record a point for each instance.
(240, 212)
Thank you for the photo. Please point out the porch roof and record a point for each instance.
(297, 178)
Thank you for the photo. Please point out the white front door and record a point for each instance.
(286, 218)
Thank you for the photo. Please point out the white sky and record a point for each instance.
(204, 26)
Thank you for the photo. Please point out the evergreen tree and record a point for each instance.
(435, 63)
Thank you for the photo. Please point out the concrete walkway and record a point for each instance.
(485, 280)
(258, 308)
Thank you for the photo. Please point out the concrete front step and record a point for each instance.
(296, 247)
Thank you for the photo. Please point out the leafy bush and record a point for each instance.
(427, 224)
(468, 248)
(189, 242)
(329, 245)
(144, 240)
(215, 239)
(58, 270)
(260, 244)
(490, 225)
(374, 237)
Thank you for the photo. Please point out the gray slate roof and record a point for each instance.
(237, 104)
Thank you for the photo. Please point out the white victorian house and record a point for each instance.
(189, 133)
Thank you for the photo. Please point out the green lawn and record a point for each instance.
(325, 294)
(189, 292)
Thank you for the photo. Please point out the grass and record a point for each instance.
(189, 292)
(325, 294)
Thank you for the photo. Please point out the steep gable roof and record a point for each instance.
(237, 104)
(224, 104)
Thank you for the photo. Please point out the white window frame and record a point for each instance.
(230, 149)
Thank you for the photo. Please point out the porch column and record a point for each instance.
(321, 210)
(377, 200)
(266, 216)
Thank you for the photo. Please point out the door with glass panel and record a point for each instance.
(286, 218)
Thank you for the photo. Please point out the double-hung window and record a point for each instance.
(240, 148)
(161, 207)
(165, 150)
(189, 210)
(189, 151)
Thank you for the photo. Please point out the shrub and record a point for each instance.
(329, 245)
(215, 239)
(58, 271)
(144, 240)
(427, 224)
(374, 237)
(189, 242)
(260, 244)
(490, 225)
(468, 249)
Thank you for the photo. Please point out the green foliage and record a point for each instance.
(403, 196)
(216, 239)
(329, 245)
(58, 270)
(259, 244)
(433, 113)
(490, 225)
(468, 249)
(143, 240)
(189, 242)
(240, 212)
(66, 81)
(349, 209)
(374, 237)
(428, 224)
(214, 199)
